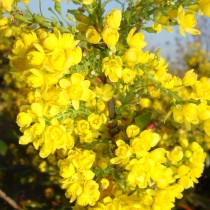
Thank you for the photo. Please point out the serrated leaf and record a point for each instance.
(143, 120)
(3, 148)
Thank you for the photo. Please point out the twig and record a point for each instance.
(9, 200)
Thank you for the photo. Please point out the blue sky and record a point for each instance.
(155, 41)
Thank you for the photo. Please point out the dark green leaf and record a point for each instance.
(3, 148)
(143, 120)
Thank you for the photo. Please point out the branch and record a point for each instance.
(9, 200)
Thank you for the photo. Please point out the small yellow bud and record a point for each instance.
(145, 102)
(132, 131)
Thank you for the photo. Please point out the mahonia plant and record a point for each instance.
(92, 93)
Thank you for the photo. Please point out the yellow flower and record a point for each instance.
(189, 112)
(175, 155)
(104, 184)
(128, 75)
(6, 5)
(203, 111)
(26, 138)
(104, 92)
(183, 170)
(190, 78)
(110, 36)
(50, 42)
(135, 40)
(82, 127)
(132, 131)
(3, 23)
(36, 79)
(205, 6)
(132, 56)
(187, 22)
(90, 194)
(123, 153)
(55, 137)
(112, 67)
(145, 102)
(35, 58)
(78, 89)
(142, 144)
(66, 168)
(158, 155)
(92, 35)
(113, 19)
(37, 108)
(96, 120)
(24, 119)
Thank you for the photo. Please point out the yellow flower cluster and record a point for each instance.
(78, 178)
(162, 174)
(197, 90)
(44, 57)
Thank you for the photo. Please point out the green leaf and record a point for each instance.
(3, 148)
(143, 120)
(72, 11)
(149, 30)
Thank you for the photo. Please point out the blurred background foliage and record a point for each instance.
(34, 183)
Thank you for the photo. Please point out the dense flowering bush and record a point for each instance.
(93, 98)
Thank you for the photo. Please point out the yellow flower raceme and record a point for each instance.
(187, 22)
(205, 6)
